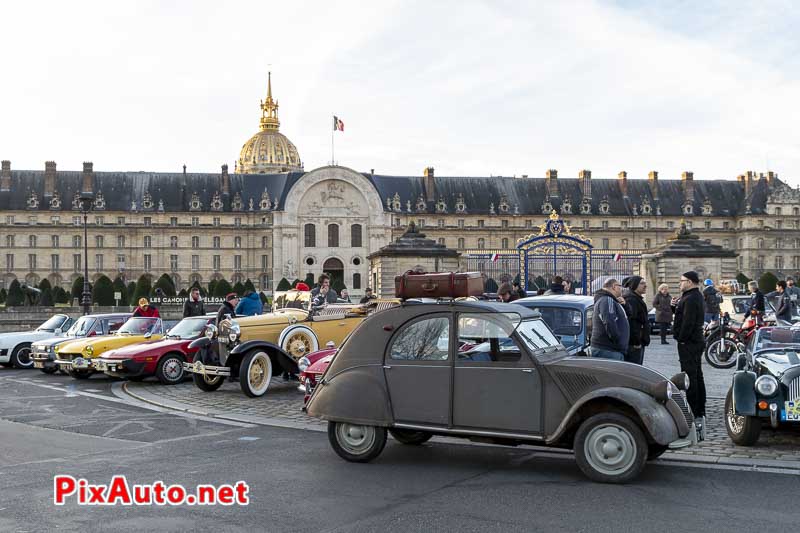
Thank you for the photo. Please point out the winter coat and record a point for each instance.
(711, 300)
(757, 302)
(193, 308)
(225, 309)
(638, 321)
(555, 288)
(663, 305)
(783, 306)
(330, 298)
(689, 315)
(152, 312)
(249, 305)
(610, 329)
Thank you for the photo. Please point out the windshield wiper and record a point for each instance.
(530, 341)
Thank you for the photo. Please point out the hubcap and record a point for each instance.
(355, 439)
(173, 369)
(299, 345)
(24, 357)
(259, 373)
(610, 449)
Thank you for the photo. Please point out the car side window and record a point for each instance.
(486, 339)
(424, 340)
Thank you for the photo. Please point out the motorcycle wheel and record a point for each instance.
(722, 353)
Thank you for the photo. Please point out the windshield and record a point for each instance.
(291, 300)
(536, 334)
(82, 327)
(770, 338)
(188, 328)
(52, 323)
(140, 326)
(565, 323)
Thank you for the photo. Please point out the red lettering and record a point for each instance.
(241, 493)
(96, 494)
(225, 495)
(158, 492)
(82, 490)
(142, 494)
(175, 494)
(206, 495)
(63, 486)
(119, 492)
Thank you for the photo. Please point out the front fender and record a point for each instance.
(200, 343)
(278, 356)
(744, 393)
(655, 417)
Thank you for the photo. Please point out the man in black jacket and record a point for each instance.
(688, 331)
(227, 307)
(194, 305)
(637, 319)
(783, 307)
(757, 302)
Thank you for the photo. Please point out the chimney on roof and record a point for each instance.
(586, 182)
(88, 177)
(623, 183)
(688, 186)
(5, 176)
(49, 178)
(748, 183)
(226, 179)
(551, 181)
(652, 178)
(428, 184)
(372, 172)
(771, 176)
(184, 169)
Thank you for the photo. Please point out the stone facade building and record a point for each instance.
(270, 219)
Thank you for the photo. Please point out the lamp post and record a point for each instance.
(87, 198)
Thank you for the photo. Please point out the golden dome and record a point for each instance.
(268, 151)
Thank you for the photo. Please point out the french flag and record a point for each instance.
(494, 258)
(617, 257)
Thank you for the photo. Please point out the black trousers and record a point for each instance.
(691, 355)
(662, 328)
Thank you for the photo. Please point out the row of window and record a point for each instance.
(77, 262)
(99, 241)
(121, 221)
(310, 236)
(760, 263)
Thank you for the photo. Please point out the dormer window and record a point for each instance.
(604, 207)
(586, 206)
(194, 203)
(55, 201)
(99, 202)
(547, 208)
(688, 209)
(33, 201)
(421, 205)
(216, 202)
(503, 207)
(441, 206)
(147, 201)
(707, 209)
(396, 205)
(237, 203)
(461, 207)
(566, 207)
(265, 203)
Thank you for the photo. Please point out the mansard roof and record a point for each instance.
(122, 191)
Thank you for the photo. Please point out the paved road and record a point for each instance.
(52, 425)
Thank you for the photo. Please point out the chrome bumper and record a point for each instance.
(199, 368)
(79, 363)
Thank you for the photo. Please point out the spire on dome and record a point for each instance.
(269, 109)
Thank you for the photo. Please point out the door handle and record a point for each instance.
(386, 367)
(527, 370)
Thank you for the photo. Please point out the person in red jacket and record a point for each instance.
(146, 310)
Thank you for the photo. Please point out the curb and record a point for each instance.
(669, 458)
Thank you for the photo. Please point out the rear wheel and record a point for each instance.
(610, 448)
(207, 383)
(255, 373)
(410, 436)
(21, 356)
(742, 429)
(169, 370)
(356, 443)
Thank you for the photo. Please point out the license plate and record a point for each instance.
(100, 365)
(791, 412)
(38, 364)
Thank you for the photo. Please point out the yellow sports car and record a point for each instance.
(252, 346)
(77, 357)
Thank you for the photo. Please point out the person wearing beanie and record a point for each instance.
(639, 324)
(228, 307)
(688, 331)
(711, 300)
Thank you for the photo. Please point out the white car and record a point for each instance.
(15, 348)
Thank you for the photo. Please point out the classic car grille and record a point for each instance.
(794, 389)
(575, 383)
(680, 399)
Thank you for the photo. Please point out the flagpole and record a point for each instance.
(333, 160)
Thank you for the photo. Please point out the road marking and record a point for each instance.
(92, 390)
(249, 439)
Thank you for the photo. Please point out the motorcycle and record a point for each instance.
(724, 343)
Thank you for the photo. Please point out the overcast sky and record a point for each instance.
(468, 87)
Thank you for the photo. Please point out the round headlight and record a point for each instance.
(303, 363)
(766, 385)
(663, 391)
(681, 380)
(89, 350)
(211, 331)
(235, 329)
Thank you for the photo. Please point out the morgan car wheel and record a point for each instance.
(21, 356)
(356, 443)
(207, 383)
(610, 448)
(743, 430)
(170, 369)
(255, 373)
(410, 436)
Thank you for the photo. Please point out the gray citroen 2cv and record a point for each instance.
(494, 372)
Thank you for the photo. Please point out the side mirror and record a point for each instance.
(148, 334)
(58, 332)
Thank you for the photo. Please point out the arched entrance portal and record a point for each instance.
(335, 269)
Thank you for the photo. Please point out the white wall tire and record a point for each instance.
(255, 373)
(298, 341)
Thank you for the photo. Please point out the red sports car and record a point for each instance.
(163, 358)
(312, 367)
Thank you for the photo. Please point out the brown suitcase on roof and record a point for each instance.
(438, 284)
